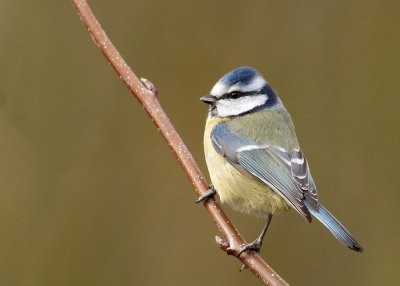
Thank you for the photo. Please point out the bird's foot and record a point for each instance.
(207, 195)
(255, 246)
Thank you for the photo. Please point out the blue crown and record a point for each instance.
(241, 76)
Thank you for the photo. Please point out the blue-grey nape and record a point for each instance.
(241, 75)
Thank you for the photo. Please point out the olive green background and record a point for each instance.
(91, 195)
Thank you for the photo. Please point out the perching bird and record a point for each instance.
(255, 162)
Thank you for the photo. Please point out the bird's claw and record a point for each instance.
(207, 195)
(255, 246)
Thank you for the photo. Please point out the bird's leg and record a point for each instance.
(256, 244)
(207, 195)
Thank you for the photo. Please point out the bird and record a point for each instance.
(254, 159)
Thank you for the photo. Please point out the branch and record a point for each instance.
(146, 94)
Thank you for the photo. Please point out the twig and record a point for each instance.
(146, 95)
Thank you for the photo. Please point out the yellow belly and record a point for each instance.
(243, 193)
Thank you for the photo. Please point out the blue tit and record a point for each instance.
(253, 156)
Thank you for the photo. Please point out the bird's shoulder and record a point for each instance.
(265, 127)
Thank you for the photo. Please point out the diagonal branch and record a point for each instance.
(146, 95)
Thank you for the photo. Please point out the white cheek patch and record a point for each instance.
(232, 107)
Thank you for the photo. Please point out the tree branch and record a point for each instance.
(146, 94)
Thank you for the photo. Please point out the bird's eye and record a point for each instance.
(235, 94)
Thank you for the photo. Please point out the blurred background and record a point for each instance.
(91, 195)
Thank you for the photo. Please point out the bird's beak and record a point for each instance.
(209, 99)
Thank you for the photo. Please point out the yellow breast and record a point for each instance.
(242, 192)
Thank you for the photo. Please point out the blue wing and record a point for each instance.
(262, 162)
(287, 175)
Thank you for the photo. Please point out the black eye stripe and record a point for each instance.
(236, 94)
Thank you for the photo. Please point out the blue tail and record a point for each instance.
(334, 226)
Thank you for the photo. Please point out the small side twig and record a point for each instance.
(146, 94)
